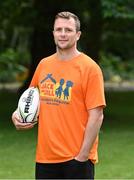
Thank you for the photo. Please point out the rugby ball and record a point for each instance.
(28, 105)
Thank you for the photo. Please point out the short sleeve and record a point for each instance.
(34, 81)
(94, 89)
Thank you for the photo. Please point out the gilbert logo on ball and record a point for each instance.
(28, 105)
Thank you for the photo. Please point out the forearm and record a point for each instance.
(92, 129)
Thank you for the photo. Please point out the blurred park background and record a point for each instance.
(107, 37)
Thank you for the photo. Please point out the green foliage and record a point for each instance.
(115, 28)
(118, 9)
(118, 28)
(11, 64)
(115, 69)
(16, 12)
(14, 16)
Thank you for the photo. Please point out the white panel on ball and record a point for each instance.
(28, 105)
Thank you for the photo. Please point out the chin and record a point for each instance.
(63, 47)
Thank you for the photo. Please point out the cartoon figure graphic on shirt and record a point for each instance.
(66, 90)
(59, 90)
(50, 88)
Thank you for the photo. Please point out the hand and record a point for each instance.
(19, 124)
(81, 158)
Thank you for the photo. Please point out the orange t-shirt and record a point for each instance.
(67, 90)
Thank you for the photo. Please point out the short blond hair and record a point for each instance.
(68, 15)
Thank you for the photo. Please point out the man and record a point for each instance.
(71, 107)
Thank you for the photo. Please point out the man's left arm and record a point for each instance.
(93, 126)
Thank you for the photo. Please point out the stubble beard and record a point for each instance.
(65, 47)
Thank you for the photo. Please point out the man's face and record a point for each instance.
(65, 35)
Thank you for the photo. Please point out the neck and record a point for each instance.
(67, 54)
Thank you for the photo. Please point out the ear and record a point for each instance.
(78, 35)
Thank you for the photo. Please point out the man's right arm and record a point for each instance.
(15, 116)
(19, 124)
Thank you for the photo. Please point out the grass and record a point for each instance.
(116, 149)
(17, 148)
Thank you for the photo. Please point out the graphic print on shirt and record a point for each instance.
(53, 92)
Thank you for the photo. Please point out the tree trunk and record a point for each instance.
(41, 39)
(94, 30)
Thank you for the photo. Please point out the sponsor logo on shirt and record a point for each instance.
(53, 92)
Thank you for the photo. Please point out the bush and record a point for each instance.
(114, 69)
(12, 64)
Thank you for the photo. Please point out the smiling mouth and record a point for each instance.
(63, 40)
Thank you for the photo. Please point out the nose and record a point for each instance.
(63, 32)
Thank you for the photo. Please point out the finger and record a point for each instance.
(23, 127)
(34, 123)
(75, 158)
(15, 117)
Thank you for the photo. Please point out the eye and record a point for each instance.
(58, 30)
(68, 30)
